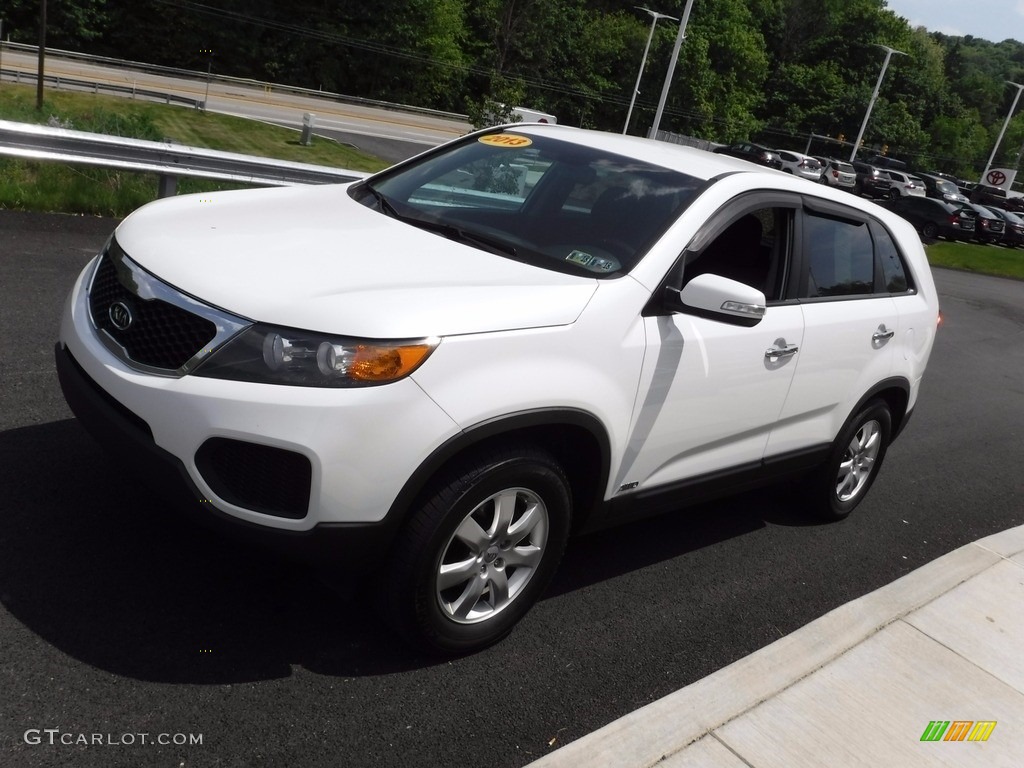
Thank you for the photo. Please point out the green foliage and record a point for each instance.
(773, 70)
(985, 259)
(98, 191)
(495, 108)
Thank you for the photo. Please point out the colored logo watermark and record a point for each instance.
(958, 730)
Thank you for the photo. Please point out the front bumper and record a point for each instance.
(128, 441)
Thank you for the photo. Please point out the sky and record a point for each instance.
(993, 20)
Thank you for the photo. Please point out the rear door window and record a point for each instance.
(839, 257)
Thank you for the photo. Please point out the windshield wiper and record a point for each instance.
(450, 231)
(453, 232)
(383, 203)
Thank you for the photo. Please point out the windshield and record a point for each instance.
(538, 199)
(946, 187)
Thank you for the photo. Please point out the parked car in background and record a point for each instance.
(988, 226)
(871, 181)
(903, 185)
(837, 173)
(753, 153)
(1013, 231)
(804, 166)
(941, 189)
(934, 218)
(438, 383)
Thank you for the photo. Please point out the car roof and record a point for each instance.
(694, 162)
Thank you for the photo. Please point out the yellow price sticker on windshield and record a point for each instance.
(505, 140)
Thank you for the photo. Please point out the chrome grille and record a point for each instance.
(150, 325)
(160, 335)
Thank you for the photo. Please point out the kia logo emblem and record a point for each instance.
(120, 315)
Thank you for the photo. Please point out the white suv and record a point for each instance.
(441, 372)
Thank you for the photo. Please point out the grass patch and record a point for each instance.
(985, 259)
(48, 186)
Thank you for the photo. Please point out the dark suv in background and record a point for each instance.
(753, 153)
(871, 181)
(940, 188)
(994, 196)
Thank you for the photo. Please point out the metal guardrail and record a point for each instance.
(170, 161)
(157, 69)
(16, 76)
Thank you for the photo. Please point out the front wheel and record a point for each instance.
(479, 551)
(856, 456)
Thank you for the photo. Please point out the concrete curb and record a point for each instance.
(667, 726)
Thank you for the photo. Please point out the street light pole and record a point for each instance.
(871, 105)
(1006, 124)
(655, 17)
(671, 70)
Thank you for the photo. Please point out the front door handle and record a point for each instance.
(882, 335)
(774, 352)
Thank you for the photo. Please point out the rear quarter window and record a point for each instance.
(894, 274)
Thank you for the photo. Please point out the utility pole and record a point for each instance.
(209, 70)
(42, 55)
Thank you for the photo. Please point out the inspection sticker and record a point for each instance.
(590, 261)
(505, 140)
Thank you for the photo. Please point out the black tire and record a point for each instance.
(487, 596)
(930, 230)
(894, 194)
(823, 180)
(836, 489)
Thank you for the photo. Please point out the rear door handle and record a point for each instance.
(882, 335)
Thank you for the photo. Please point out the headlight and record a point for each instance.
(270, 355)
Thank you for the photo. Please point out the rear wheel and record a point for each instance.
(894, 194)
(479, 551)
(835, 490)
(930, 230)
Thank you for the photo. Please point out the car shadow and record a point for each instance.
(95, 564)
(98, 566)
(614, 552)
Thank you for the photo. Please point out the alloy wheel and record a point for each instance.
(491, 557)
(858, 462)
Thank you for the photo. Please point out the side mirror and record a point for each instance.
(718, 298)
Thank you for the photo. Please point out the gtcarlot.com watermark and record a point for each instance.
(57, 737)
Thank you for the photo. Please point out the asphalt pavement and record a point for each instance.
(117, 618)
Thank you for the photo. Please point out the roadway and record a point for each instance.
(117, 618)
(386, 133)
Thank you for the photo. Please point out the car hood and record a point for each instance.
(313, 258)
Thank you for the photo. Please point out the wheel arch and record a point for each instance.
(577, 440)
(895, 392)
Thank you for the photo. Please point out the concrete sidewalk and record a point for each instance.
(857, 687)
